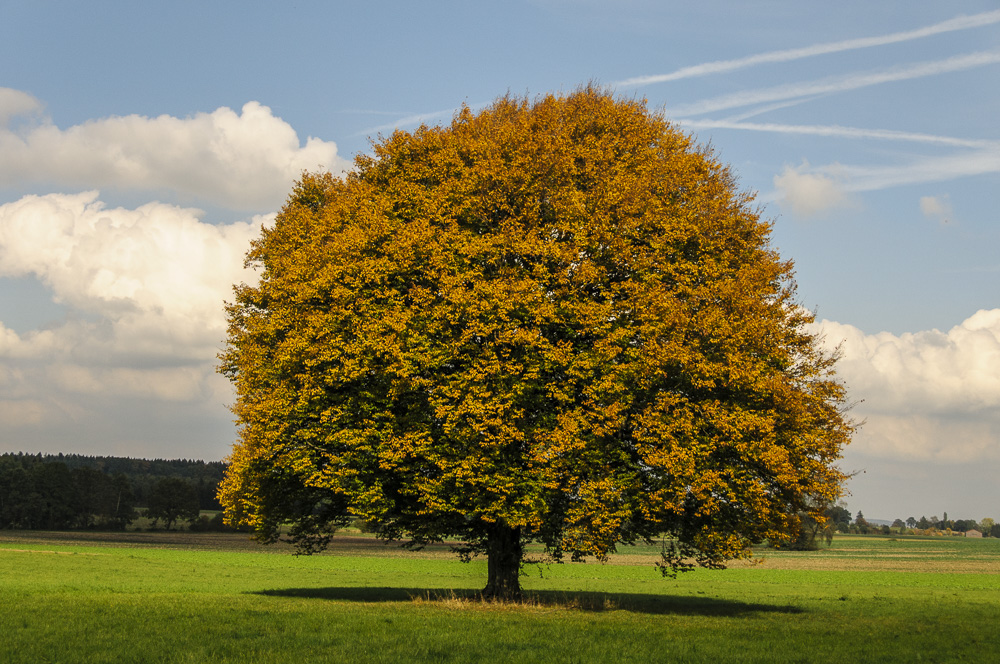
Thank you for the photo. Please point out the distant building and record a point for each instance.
(973, 533)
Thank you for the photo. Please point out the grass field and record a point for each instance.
(171, 597)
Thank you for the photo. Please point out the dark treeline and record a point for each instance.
(839, 520)
(74, 491)
(842, 521)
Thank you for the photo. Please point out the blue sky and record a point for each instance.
(142, 145)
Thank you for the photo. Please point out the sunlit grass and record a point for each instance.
(173, 601)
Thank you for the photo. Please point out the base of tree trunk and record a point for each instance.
(503, 551)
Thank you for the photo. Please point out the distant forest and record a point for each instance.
(69, 491)
(58, 491)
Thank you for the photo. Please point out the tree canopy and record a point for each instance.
(555, 320)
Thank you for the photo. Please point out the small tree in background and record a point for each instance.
(172, 499)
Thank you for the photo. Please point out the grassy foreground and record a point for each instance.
(205, 598)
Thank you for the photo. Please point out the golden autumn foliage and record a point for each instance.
(554, 320)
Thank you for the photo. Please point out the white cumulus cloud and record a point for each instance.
(149, 280)
(926, 395)
(244, 161)
(808, 194)
(15, 103)
(937, 207)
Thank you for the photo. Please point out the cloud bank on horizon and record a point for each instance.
(929, 395)
(143, 287)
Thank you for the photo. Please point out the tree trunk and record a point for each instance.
(503, 552)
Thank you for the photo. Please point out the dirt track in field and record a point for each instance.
(343, 544)
(929, 559)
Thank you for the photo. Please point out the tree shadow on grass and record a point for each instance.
(581, 601)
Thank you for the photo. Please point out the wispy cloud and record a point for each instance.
(853, 178)
(838, 131)
(761, 110)
(927, 169)
(418, 119)
(787, 55)
(411, 121)
(370, 111)
(836, 84)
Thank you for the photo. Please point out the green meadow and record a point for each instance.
(172, 597)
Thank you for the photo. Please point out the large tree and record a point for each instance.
(555, 320)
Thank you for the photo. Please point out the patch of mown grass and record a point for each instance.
(77, 602)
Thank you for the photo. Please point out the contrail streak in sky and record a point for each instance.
(951, 25)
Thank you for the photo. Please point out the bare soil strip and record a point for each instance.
(916, 556)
